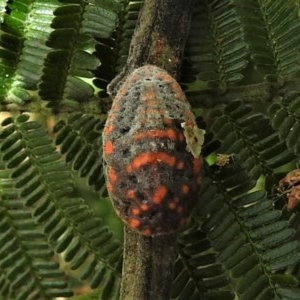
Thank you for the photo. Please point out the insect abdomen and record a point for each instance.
(152, 178)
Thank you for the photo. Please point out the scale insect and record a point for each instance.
(152, 170)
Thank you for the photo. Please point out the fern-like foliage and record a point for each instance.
(216, 49)
(113, 51)
(271, 30)
(59, 53)
(75, 25)
(197, 273)
(48, 46)
(250, 138)
(286, 120)
(240, 244)
(80, 141)
(28, 269)
(42, 186)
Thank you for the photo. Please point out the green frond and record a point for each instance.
(216, 50)
(250, 138)
(48, 46)
(247, 235)
(28, 268)
(197, 274)
(271, 30)
(73, 41)
(80, 141)
(3, 4)
(113, 52)
(285, 116)
(44, 185)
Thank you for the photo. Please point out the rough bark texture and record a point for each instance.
(159, 39)
(160, 34)
(147, 267)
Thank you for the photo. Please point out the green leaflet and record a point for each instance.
(237, 242)
(39, 34)
(40, 213)
(251, 139)
(271, 30)
(285, 119)
(216, 50)
(80, 138)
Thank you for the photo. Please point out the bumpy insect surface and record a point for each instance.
(152, 174)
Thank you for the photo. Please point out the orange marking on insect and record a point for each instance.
(179, 209)
(150, 111)
(177, 90)
(196, 166)
(146, 231)
(112, 175)
(150, 158)
(109, 187)
(172, 205)
(135, 211)
(108, 129)
(156, 133)
(181, 137)
(108, 148)
(134, 223)
(130, 194)
(180, 165)
(159, 194)
(149, 95)
(185, 189)
(144, 207)
(168, 121)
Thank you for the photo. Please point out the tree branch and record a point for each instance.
(147, 267)
(159, 39)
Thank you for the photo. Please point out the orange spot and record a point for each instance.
(177, 90)
(130, 194)
(108, 128)
(146, 232)
(109, 187)
(172, 205)
(108, 148)
(144, 207)
(181, 137)
(196, 166)
(179, 209)
(159, 194)
(168, 122)
(180, 165)
(185, 189)
(134, 223)
(112, 175)
(157, 133)
(149, 158)
(135, 211)
(149, 95)
(189, 117)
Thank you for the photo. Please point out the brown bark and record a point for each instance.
(159, 39)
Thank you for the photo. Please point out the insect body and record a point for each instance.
(291, 182)
(152, 171)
